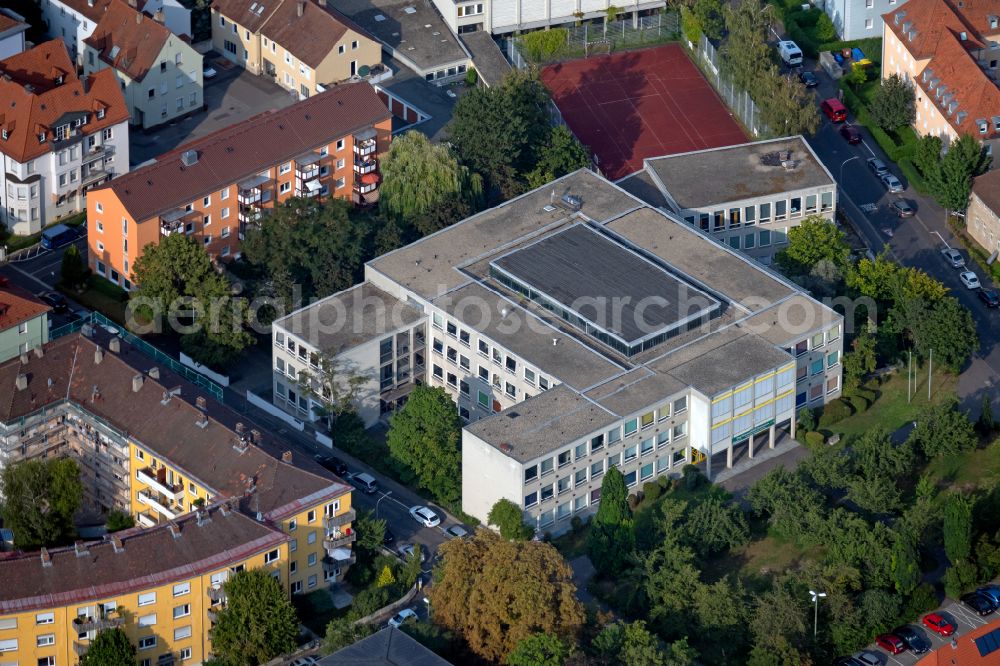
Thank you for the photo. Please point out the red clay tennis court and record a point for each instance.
(637, 104)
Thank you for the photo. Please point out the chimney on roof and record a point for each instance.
(286, 457)
(21, 382)
(300, 6)
(24, 358)
(154, 373)
(175, 530)
(46, 558)
(201, 403)
(80, 548)
(255, 436)
(138, 15)
(240, 428)
(136, 383)
(39, 352)
(98, 356)
(322, 3)
(116, 544)
(115, 345)
(202, 422)
(158, 16)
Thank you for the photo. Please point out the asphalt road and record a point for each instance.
(915, 241)
(40, 274)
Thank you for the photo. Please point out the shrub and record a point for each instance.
(633, 500)
(369, 600)
(958, 578)
(651, 490)
(806, 419)
(690, 26)
(814, 439)
(693, 478)
(923, 600)
(543, 45)
(859, 403)
(576, 524)
(834, 412)
(665, 482)
(471, 77)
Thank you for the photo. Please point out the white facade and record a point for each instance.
(858, 19)
(506, 16)
(38, 192)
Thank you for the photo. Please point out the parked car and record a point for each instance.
(851, 134)
(877, 166)
(953, 257)
(978, 602)
(58, 235)
(808, 79)
(969, 279)
(365, 483)
(406, 550)
(938, 624)
(914, 640)
(308, 660)
(992, 592)
(402, 616)
(892, 183)
(425, 516)
(834, 109)
(992, 300)
(332, 463)
(790, 53)
(891, 643)
(457, 532)
(865, 658)
(902, 208)
(54, 299)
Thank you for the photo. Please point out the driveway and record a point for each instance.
(915, 241)
(232, 96)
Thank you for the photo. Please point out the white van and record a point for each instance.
(790, 53)
(365, 483)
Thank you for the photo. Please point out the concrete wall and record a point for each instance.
(13, 341)
(487, 477)
(983, 224)
(855, 19)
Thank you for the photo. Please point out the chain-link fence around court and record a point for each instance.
(707, 58)
(591, 39)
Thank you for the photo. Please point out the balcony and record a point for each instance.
(309, 188)
(157, 480)
(250, 191)
(365, 142)
(148, 519)
(333, 541)
(98, 153)
(213, 616)
(307, 166)
(217, 594)
(158, 503)
(80, 648)
(345, 518)
(173, 222)
(362, 166)
(106, 620)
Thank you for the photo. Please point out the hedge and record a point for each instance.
(814, 439)
(834, 411)
(542, 45)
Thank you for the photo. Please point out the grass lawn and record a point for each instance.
(891, 409)
(979, 468)
(102, 296)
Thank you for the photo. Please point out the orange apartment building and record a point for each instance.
(213, 189)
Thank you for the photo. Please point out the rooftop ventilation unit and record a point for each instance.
(189, 157)
(571, 202)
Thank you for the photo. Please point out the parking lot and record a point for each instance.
(231, 96)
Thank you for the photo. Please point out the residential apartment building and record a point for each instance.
(576, 328)
(12, 29)
(24, 321)
(214, 188)
(159, 72)
(154, 446)
(858, 19)
(303, 45)
(162, 586)
(949, 52)
(60, 136)
(507, 16)
(73, 21)
(746, 196)
(983, 214)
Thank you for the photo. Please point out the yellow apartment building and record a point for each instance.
(302, 45)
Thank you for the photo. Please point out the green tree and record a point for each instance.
(714, 526)
(419, 176)
(905, 563)
(629, 644)
(786, 106)
(710, 18)
(424, 439)
(945, 327)
(690, 26)
(562, 154)
(860, 361)
(959, 578)
(957, 527)
(878, 464)
(927, 157)
(509, 519)
(497, 130)
(611, 538)
(986, 423)
(111, 647)
(258, 622)
(894, 104)
(943, 430)
(412, 567)
(788, 503)
(539, 650)
(496, 592)
(73, 271)
(385, 578)
(118, 521)
(334, 387)
(746, 56)
(40, 499)
(952, 181)
(815, 239)
(342, 631)
(176, 275)
(307, 248)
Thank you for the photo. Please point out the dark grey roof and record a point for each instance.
(486, 56)
(735, 173)
(388, 647)
(606, 283)
(641, 185)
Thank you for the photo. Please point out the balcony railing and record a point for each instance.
(159, 504)
(80, 648)
(109, 620)
(250, 214)
(307, 172)
(148, 519)
(345, 518)
(250, 196)
(365, 147)
(339, 540)
(363, 166)
(216, 594)
(148, 476)
(171, 227)
(98, 153)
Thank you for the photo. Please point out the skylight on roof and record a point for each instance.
(115, 50)
(253, 6)
(379, 18)
(410, 10)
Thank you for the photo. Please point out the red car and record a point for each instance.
(850, 134)
(891, 643)
(938, 624)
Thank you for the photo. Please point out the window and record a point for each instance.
(181, 633)
(547, 493)
(45, 640)
(484, 348)
(181, 589)
(868, 22)
(832, 359)
(8, 645)
(511, 364)
(284, 168)
(816, 367)
(680, 430)
(182, 610)
(147, 620)
(597, 469)
(185, 654)
(646, 420)
(597, 443)
(531, 473)
(531, 499)
(147, 642)
(614, 436)
(147, 599)
(45, 618)
(680, 405)
(511, 390)
(311, 516)
(564, 458)
(580, 451)
(631, 426)
(646, 446)
(285, 188)
(631, 453)
(311, 560)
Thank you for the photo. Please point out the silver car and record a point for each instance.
(877, 166)
(953, 257)
(892, 183)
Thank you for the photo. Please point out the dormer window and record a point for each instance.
(963, 36)
(59, 80)
(994, 22)
(4, 134)
(983, 126)
(62, 132)
(41, 137)
(100, 113)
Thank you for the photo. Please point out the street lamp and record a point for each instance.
(379, 502)
(816, 596)
(841, 179)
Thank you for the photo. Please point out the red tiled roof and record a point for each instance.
(146, 558)
(975, 95)
(94, 13)
(33, 102)
(312, 36)
(987, 188)
(128, 40)
(964, 652)
(239, 12)
(930, 20)
(9, 23)
(246, 148)
(17, 305)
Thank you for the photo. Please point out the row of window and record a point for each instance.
(817, 341)
(815, 392)
(745, 216)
